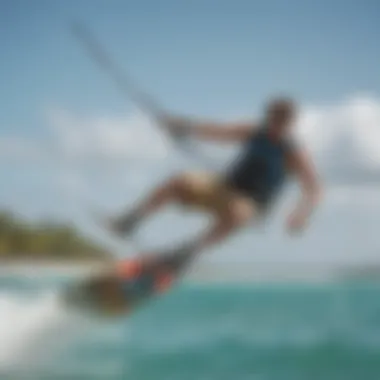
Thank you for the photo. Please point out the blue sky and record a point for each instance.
(209, 58)
(198, 56)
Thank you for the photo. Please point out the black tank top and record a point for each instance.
(260, 171)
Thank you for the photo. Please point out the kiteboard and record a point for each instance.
(120, 289)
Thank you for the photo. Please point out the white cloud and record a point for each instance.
(355, 195)
(345, 140)
(17, 147)
(99, 139)
(105, 138)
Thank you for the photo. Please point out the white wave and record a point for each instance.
(32, 330)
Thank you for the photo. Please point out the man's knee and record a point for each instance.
(179, 185)
(241, 213)
(177, 182)
(192, 178)
(190, 186)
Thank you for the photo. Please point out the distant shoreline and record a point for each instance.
(25, 240)
(204, 272)
(34, 267)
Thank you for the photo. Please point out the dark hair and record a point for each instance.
(283, 105)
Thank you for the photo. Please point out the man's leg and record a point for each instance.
(170, 191)
(238, 213)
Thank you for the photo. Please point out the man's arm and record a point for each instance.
(302, 166)
(218, 132)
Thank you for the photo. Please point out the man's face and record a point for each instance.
(280, 120)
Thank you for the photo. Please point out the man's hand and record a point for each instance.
(304, 170)
(296, 222)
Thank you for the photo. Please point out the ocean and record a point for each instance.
(260, 331)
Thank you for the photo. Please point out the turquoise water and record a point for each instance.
(264, 332)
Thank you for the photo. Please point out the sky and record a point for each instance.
(70, 140)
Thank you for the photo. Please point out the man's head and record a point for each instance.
(280, 114)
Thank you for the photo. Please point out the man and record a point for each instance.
(248, 189)
(245, 192)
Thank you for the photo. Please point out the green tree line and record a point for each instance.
(51, 240)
